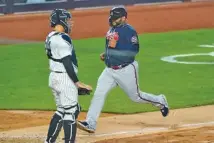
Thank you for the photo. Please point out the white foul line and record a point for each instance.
(198, 124)
(128, 132)
(151, 130)
(131, 132)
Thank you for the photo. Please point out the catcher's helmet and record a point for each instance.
(117, 12)
(60, 16)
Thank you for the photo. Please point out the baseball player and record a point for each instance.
(122, 45)
(63, 79)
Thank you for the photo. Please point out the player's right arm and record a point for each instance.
(102, 56)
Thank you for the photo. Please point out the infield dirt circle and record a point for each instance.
(190, 125)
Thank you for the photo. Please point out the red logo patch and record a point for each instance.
(112, 35)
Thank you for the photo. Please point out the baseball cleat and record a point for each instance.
(83, 125)
(165, 109)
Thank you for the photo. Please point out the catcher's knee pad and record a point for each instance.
(55, 127)
(72, 112)
(78, 110)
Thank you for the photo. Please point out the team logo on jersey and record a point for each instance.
(112, 35)
(134, 39)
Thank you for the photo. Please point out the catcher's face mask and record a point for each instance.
(70, 24)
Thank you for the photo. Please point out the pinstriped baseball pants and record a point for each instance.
(64, 90)
(66, 97)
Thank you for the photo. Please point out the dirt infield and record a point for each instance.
(192, 125)
(203, 135)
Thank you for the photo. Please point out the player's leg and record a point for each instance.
(57, 119)
(69, 123)
(104, 84)
(69, 101)
(127, 79)
(55, 127)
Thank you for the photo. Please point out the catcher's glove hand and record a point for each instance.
(83, 91)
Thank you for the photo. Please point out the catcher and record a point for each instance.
(63, 79)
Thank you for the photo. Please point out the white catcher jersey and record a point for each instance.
(59, 49)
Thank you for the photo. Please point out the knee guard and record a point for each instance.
(55, 127)
(69, 123)
(77, 112)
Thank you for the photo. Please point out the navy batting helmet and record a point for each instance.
(117, 12)
(60, 17)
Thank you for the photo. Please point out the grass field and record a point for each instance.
(24, 73)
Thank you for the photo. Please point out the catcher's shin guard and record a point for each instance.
(70, 130)
(55, 127)
(69, 123)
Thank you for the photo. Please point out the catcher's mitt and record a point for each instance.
(83, 91)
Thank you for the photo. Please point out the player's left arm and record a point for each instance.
(134, 41)
(65, 53)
